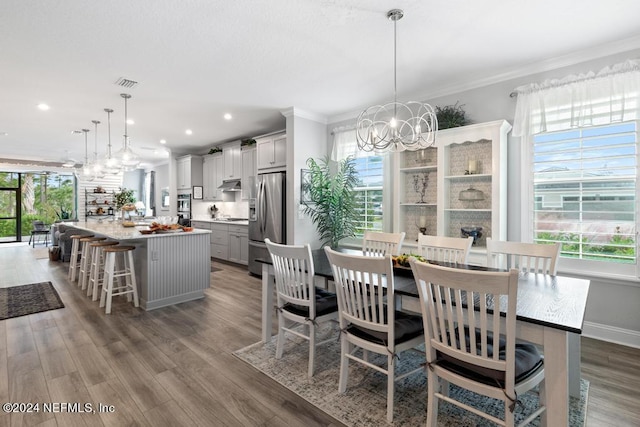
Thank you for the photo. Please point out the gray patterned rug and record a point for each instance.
(364, 403)
(28, 299)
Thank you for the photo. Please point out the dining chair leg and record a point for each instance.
(391, 386)
(344, 365)
(280, 341)
(312, 348)
(433, 386)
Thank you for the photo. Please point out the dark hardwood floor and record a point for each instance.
(174, 366)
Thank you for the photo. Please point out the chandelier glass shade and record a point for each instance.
(396, 126)
(109, 162)
(86, 166)
(126, 157)
(96, 165)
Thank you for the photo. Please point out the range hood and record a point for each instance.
(230, 185)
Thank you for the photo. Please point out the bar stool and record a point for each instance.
(96, 271)
(85, 259)
(74, 262)
(110, 273)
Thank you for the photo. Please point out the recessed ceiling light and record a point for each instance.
(43, 107)
(188, 132)
(130, 122)
(228, 116)
(163, 141)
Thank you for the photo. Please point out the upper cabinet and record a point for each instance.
(272, 151)
(248, 155)
(189, 172)
(213, 175)
(232, 161)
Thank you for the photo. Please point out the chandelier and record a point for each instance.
(127, 158)
(396, 126)
(96, 166)
(87, 172)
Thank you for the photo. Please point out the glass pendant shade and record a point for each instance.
(396, 126)
(96, 165)
(86, 166)
(109, 162)
(126, 157)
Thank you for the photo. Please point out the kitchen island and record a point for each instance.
(171, 267)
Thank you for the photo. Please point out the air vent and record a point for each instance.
(126, 83)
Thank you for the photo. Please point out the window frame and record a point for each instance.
(578, 267)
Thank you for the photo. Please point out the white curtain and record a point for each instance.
(345, 145)
(611, 95)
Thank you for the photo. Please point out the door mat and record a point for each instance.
(364, 403)
(28, 299)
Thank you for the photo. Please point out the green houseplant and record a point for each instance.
(122, 197)
(331, 199)
(451, 116)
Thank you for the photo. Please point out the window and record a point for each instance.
(369, 192)
(584, 190)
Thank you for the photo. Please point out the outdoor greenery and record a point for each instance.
(619, 248)
(44, 197)
(332, 204)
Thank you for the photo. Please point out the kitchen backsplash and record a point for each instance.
(200, 210)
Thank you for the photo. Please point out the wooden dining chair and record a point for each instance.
(377, 243)
(469, 346)
(299, 301)
(445, 249)
(526, 257)
(368, 318)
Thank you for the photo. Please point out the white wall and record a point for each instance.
(612, 308)
(306, 137)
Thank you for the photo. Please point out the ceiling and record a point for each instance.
(199, 59)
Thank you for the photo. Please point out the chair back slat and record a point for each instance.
(364, 287)
(293, 271)
(526, 257)
(376, 243)
(456, 307)
(444, 249)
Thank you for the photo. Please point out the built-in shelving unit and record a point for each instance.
(465, 185)
(99, 204)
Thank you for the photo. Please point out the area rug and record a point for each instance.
(364, 403)
(28, 299)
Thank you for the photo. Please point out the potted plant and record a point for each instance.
(331, 199)
(248, 142)
(124, 200)
(215, 150)
(451, 116)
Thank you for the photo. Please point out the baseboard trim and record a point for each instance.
(612, 334)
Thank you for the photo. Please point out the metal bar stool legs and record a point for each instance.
(96, 272)
(129, 286)
(76, 252)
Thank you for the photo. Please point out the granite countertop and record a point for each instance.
(115, 230)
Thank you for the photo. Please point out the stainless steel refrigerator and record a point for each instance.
(267, 217)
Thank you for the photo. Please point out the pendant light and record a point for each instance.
(396, 126)
(96, 166)
(86, 167)
(109, 162)
(126, 157)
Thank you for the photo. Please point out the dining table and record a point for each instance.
(550, 313)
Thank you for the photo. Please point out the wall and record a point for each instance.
(612, 309)
(134, 180)
(306, 137)
(162, 181)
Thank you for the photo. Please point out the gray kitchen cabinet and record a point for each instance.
(220, 241)
(272, 151)
(248, 172)
(188, 172)
(239, 244)
(232, 161)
